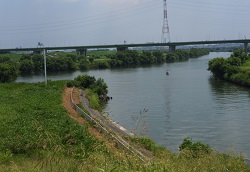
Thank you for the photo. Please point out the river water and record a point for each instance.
(186, 103)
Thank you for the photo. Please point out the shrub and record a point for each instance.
(100, 65)
(5, 156)
(85, 81)
(8, 72)
(73, 83)
(84, 64)
(194, 149)
(148, 144)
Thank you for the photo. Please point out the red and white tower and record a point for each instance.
(165, 29)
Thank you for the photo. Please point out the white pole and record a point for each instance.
(45, 70)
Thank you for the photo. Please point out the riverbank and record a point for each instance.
(36, 134)
(12, 65)
(235, 69)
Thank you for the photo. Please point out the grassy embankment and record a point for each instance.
(242, 77)
(246, 66)
(36, 134)
(235, 69)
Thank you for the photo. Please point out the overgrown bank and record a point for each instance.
(11, 65)
(235, 69)
(37, 135)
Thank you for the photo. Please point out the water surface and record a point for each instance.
(187, 103)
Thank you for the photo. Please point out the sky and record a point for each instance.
(24, 23)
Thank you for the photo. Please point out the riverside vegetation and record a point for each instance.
(36, 134)
(11, 65)
(235, 69)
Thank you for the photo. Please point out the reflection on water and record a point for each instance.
(186, 103)
(231, 104)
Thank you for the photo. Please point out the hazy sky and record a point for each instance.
(96, 22)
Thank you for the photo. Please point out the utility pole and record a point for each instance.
(45, 68)
(165, 29)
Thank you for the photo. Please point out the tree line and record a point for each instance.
(230, 69)
(131, 58)
(34, 63)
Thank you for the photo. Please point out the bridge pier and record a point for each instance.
(245, 47)
(81, 51)
(123, 48)
(172, 48)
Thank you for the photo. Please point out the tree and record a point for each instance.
(159, 56)
(72, 56)
(70, 63)
(100, 65)
(84, 64)
(172, 57)
(234, 61)
(100, 87)
(8, 72)
(38, 61)
(85, 81)
(218, 66)
(25, 57)
(26, 67)
(134, 55)
(147, 58)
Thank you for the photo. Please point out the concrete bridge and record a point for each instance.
(82, 50)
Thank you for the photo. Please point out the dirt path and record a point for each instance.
(107, 123)
(73, 113)
(75, 116)
(67, 104)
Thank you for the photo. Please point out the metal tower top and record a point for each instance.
(165, 28)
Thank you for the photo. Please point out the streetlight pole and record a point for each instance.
(45, 70)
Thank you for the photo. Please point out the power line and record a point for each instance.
(205, 8)
(122, 12)
(237, 5)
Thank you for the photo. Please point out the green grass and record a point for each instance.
(93, 99)
(246, 66)
(14, 57)
(33, 118)
(96, 54)
(36, 134)
(101, 54)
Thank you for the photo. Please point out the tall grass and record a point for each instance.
(33, 120)
(37, 135)
(93, 99)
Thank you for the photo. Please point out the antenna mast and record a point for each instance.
(165, 29)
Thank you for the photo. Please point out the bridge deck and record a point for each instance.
(244, 41)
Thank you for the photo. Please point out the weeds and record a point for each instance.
(194, 149)
(37, 135)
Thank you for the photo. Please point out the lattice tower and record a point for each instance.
(165, 29)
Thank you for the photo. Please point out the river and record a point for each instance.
(187, 103)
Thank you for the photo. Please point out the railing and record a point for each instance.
(119, 141)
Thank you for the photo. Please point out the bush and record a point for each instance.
(97, 86)
(8, 72)
(5, 156)
(26, 67)
(85, 81)
(217, 66)
(100, 65)
(4, 59)
(194, 149)
(84, 64)
(73, 83)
